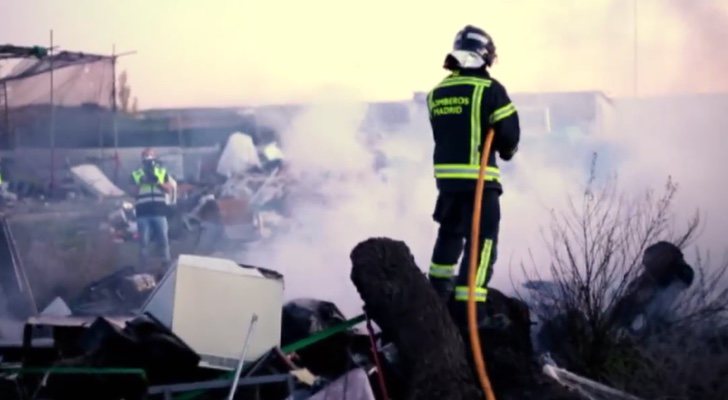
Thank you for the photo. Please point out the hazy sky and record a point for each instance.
(224, 52)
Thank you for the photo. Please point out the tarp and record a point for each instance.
(353, 385)
(91, 177)
(304, 317)
(238, 155)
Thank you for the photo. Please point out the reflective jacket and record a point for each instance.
(151, 199)
(462, 107)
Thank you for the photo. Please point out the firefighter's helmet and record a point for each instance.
(472, 48)
(149, 154)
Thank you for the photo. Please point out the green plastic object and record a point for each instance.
(317, 337)
(293, 347)
(76, 371)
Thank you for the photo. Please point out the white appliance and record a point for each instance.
(209, 302)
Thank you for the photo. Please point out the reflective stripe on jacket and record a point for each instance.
(150, 192)
(462, 108)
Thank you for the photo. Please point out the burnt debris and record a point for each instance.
(399, 298)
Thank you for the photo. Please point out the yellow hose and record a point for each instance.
(474, 239)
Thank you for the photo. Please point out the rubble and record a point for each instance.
(329, 357)
(143, 343)
(244, 203)
(505, 333)
(187, 337)
(238, 156)
(122, 225)
(193, 317)
(304, 317)
(353, 385)
(434, 359)
(119, 293)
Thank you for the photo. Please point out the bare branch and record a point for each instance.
(596, 245)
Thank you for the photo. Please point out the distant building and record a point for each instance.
(589, 112)
(88, 126)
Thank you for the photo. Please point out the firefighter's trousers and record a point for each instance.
(454, 213)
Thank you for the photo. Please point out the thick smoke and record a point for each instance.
(340, 199)
(682, 137)
(703, 57)
(644, 141)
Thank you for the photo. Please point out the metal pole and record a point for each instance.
(100, 129)
(114, 126)
(179, 131)
(239, 368)
(113, 73)
(635, 71)
(53, 123)
(11, 141)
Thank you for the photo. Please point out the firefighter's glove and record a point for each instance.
(506, 156)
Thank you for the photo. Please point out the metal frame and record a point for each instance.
(12, 273)
(9, 51)
(168, 390)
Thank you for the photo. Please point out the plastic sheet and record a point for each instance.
(353, 385)
(304, 317)
(91, 177)
(238, 155)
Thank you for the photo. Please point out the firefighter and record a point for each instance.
(461, 110)
(154, 188)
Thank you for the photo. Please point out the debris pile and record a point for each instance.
(188, 336)
(434, 359)
(210, 327)
(119, 293)
(236, 195)
(143, 345)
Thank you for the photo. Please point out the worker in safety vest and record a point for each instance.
(461, 110)
(154, 190)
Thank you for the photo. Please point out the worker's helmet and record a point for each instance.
(149, 154)
(473, 48)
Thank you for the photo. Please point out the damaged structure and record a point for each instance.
(208, 327)
(211, 327)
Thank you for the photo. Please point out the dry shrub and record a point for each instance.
(596, 247)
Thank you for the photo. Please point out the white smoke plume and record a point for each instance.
(648, 140)
(341, 200)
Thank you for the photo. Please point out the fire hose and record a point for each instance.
(474, 234)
